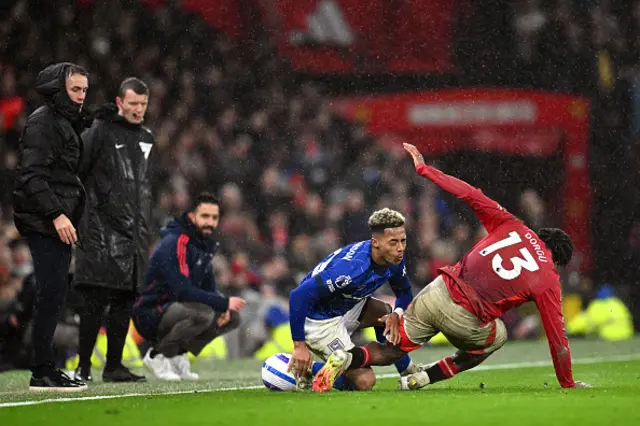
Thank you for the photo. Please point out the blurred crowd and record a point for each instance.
(589, 48)
(295, 181)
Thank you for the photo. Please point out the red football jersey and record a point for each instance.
(508, 267)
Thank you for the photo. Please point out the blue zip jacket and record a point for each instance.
(180, 270)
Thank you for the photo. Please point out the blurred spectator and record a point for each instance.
(354, 220)
(606, 317)
(532, 210)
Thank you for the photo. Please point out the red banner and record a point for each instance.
(224, 15)
(355, 36)
(342, 36)
(493, 120)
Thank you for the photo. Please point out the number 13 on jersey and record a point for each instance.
(527, 261)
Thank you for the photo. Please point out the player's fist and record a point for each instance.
(415, 154)
(236, 304)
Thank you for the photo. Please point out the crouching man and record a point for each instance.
(180, 310)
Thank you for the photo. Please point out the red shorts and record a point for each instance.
(405, 343)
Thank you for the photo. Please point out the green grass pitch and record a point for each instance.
(516, 386)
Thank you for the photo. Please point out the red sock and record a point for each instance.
(444, 369)
(361, 357)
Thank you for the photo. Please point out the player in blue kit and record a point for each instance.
(335, 299)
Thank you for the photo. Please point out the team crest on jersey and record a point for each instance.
(335, 345)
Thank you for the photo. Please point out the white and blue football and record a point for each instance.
(275, 376)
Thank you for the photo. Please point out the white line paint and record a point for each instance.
(578, 361)
(126, 395)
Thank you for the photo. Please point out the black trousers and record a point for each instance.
(51, 260)
(96, 299)
(189, 327)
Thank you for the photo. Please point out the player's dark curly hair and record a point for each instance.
(560, 244)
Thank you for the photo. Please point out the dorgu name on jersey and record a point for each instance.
(536, 247)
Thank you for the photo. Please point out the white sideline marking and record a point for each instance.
(578, 361)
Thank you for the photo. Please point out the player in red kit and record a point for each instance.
(510, 266)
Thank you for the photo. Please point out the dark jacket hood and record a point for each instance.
(51, 84)
(109, 112)
(183, 225)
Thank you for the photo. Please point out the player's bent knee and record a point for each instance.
(501, 333)
(202, 319)
(363, 379)
(501, 337)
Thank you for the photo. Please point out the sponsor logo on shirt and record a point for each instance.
(330, 286)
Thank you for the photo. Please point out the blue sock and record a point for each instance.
(341, 382)
(400, 364)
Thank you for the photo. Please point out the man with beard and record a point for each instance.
(180, 310)
(117, 172)
(48, 203)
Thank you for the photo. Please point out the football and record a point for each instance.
(274, 373)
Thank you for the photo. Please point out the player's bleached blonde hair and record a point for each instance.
(385, 218)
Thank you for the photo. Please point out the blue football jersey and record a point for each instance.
(350, 275)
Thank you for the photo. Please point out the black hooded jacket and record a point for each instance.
(116, 171)
(50, 153)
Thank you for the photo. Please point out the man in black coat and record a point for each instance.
(48, 203)
(112, 259)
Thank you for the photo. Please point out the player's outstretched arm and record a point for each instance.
(550, 306)
(490, 213)
(455, 186)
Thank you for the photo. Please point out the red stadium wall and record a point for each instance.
(343, 36)
(373, 36)
(494, 120)
(225, 15)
